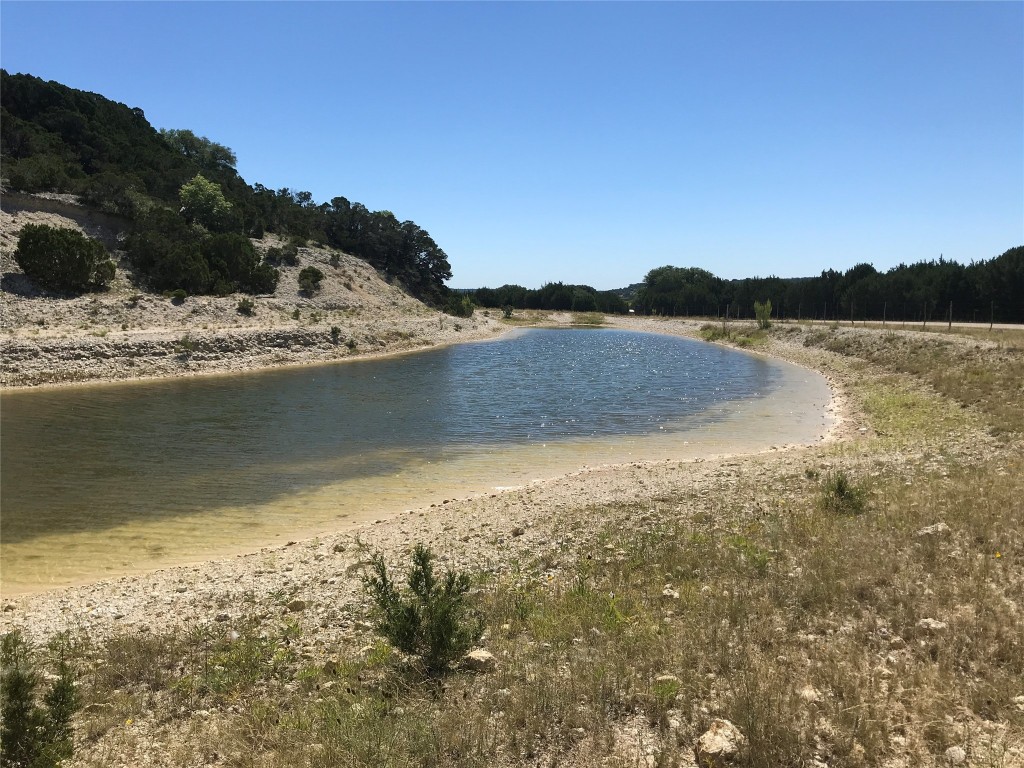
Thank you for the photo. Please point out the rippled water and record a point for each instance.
(108, 479)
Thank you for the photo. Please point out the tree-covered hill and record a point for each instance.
(59, 139)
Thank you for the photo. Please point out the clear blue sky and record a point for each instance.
(591, 142)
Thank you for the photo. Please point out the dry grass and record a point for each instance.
(866, 608)
(990, 379)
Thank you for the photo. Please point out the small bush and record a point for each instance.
(309, 280)
(335, 260)
(246, 306)
(432, 620)
(289, 256)
(763, 313)
(335, 335)
(507, 311)
(35, 734)
(459, 306)
(63, 259)
(178, 296)
(841, 496)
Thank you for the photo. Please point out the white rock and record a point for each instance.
(480, 660)
(931, 625)
(956, 756)
(719, 745)
(810, 694)
(937, 531)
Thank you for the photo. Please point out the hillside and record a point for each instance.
(126, 333)
(56, 139)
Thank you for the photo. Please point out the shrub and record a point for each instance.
(507, 311)
(63, 259)
(459, 306)
(234, 263)
(246, 306)
(841, 496)
(33, 733)
(763, 313)
(289, 255)
(178, 296)
(335, 334)
(165, 253)
(309, 280)
(335, 260)
(431, 621)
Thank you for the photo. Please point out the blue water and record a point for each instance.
(86, 459)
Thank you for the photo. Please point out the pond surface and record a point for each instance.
(110, 479)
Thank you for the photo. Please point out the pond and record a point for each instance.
(110, 479)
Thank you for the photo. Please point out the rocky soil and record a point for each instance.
(124, 333)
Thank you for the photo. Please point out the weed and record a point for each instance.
(841, 496)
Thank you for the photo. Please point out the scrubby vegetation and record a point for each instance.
(62, 259)
(309, 280)
(36, 729)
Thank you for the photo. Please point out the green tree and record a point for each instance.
(203, 202)
(208, 154)
(63, 259)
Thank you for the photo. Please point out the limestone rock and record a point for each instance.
(956, 756)
(931, 626)
(480, 660)
(720, 745)
(937, 531)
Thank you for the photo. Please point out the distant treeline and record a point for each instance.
(555, 296)
(58, 139)
(992, 289)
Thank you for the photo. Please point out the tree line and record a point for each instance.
(926, 291)
(58, 139)
(551, 296)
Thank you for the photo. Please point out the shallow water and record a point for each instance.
(110, 479)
